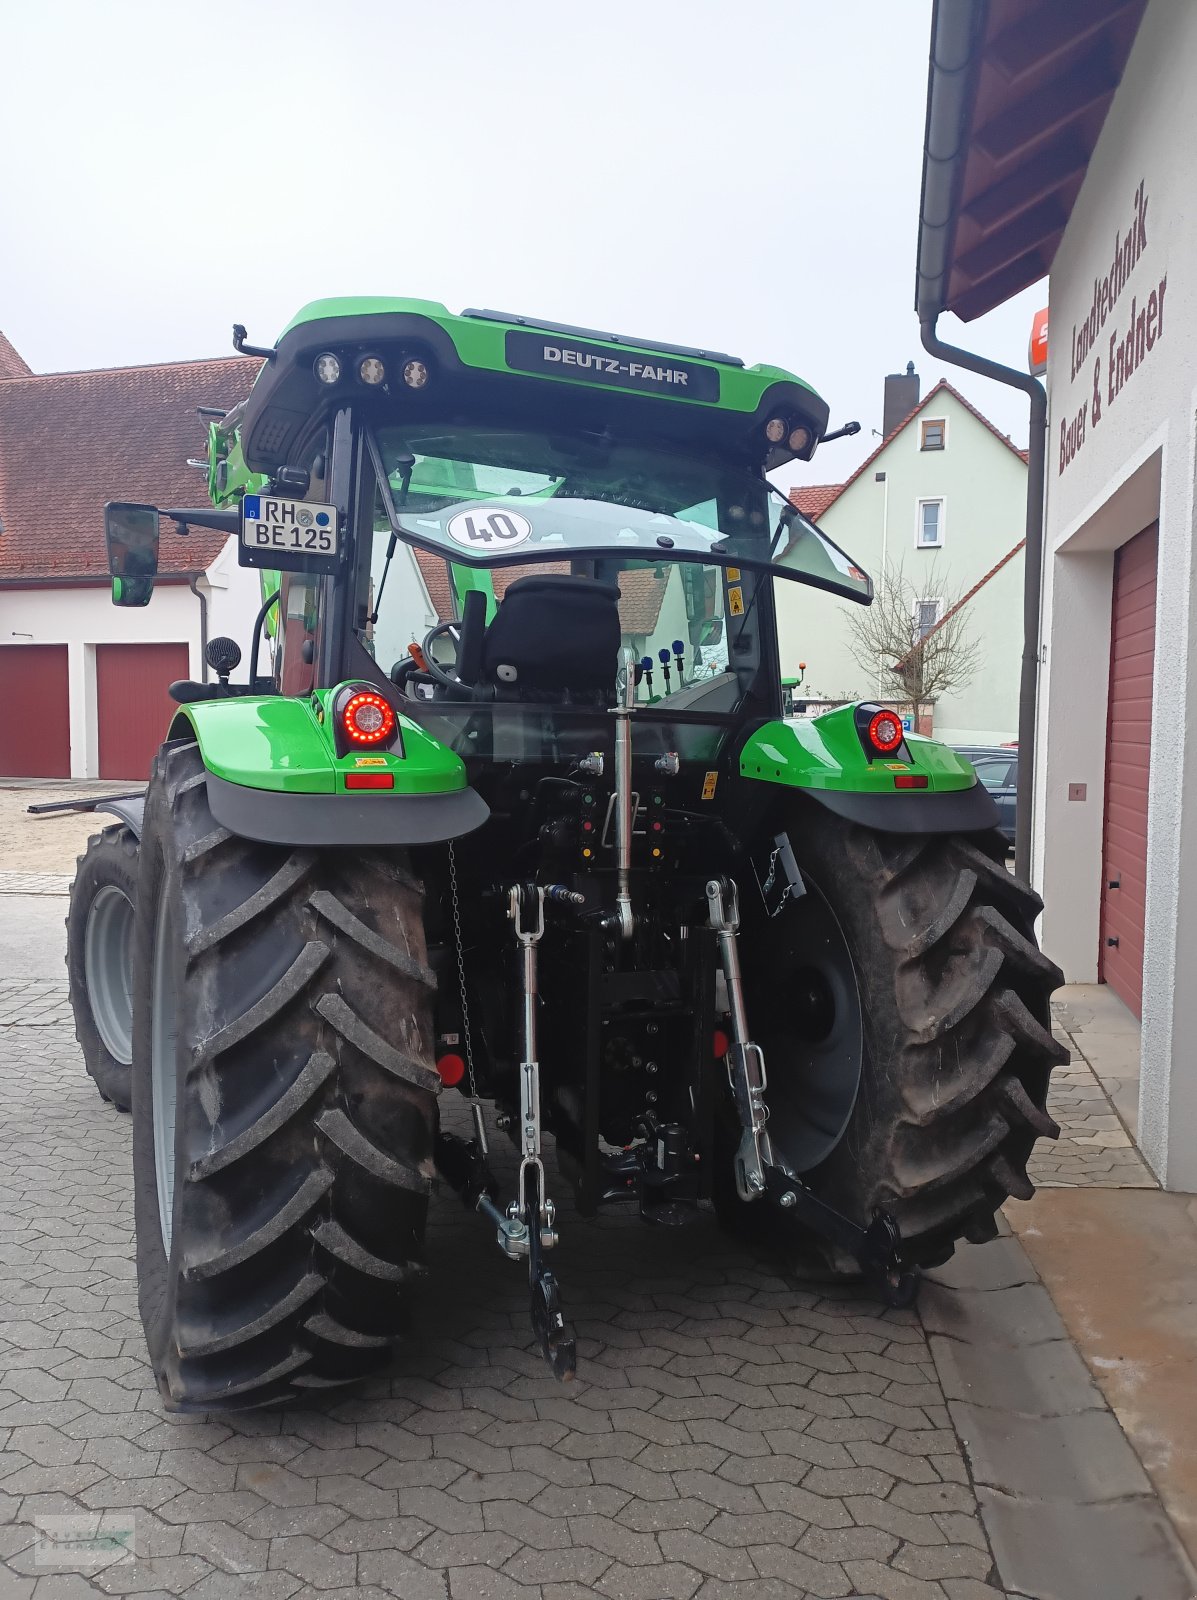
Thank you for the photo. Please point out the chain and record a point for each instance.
(768, 884)
(461, 973)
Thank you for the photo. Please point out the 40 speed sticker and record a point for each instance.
(489, 528)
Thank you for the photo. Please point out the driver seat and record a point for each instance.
(554, 635)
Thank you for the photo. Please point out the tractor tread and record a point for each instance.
(354, 928)
(317, 1069)
(288, 988)
(298, 968)
(291, 872)
(334, 1009)
(958, 1040)
(282, 1216)
(352, 1142)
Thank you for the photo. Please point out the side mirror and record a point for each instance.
(131, 534)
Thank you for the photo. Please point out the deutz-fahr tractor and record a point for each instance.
(564, 856)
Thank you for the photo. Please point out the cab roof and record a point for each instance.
(488, 361)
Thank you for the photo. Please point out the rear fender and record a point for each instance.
(825, 758)
(274, 774)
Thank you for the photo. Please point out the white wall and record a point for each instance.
(83, 618)
(983, 487)
(1136, 462)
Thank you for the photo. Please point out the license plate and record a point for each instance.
(292, 535)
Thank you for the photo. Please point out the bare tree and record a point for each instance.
(913, 649)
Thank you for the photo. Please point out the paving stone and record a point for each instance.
(870, 1577)
(531, 1527)
(705, 1555)
(581, 1566)
(654, 1516)
(822, 1578)
(398, 1574)
(313, 1561)
(1082, 1458)
(226, 1547)
(1055, 1551)
(669, 1581)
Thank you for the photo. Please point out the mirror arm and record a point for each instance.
(203, 517)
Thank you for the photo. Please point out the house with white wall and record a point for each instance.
(1100, 200)
(83, 684)
(943, 499)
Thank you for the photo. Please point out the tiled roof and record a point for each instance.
(942, 387)
(11, 365)
(812, 499)
(69, 441)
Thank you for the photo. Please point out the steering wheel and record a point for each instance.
(436, 672)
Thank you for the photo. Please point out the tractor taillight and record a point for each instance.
(367, 718)
(884, 732)
(910, 780)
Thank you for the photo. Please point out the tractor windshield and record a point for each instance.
(496, 497)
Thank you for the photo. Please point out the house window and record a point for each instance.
(926, 615)
(933, 433)
(930, 524)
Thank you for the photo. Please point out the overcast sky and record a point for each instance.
(742, 176)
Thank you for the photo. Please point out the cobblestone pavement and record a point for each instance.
(734, 1431)
(35, 882)
(731, 1431)
(1094, 1149)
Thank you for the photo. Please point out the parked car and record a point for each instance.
(997, 768)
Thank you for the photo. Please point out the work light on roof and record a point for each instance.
(799, 439)
(371, 370)
(775, 430)
(415, 374)
(327, 368)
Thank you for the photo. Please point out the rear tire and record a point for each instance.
(283, 1078)
(99, 958)
(955, 1029)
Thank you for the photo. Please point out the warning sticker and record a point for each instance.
(369, 761)
(733, 574)
(708, 785)
(735, 601)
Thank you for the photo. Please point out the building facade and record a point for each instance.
(940, 504)
(1116, 835)
(83, 685)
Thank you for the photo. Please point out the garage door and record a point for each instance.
(1128, 756)
(35, 703)
(134, 707)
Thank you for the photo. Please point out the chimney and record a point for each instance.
(901, 397)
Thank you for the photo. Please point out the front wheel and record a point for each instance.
(99, 958)
(284, 1103)
(903, 1007)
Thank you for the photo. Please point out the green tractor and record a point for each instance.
(563, 855)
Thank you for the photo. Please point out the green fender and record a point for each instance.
(825, 757)
(274, 774)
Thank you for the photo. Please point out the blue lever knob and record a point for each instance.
(648, 664)
(663, 656)
(678, 647)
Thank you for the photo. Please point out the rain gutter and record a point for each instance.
(957, 32)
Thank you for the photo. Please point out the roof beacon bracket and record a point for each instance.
(243, 349)
(845, 432)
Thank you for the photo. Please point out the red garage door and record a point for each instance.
(1128, 756)
(134, 707)
(35, 731)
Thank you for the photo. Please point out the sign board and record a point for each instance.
(908, 724)
(1037, 350)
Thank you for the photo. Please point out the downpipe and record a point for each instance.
(625, 705)
(1032, 570)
